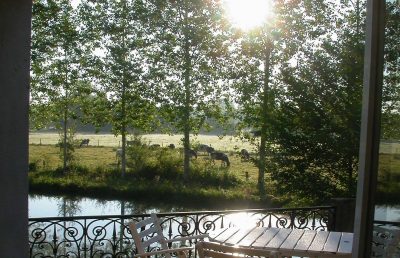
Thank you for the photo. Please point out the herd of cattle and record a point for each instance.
(203, 148)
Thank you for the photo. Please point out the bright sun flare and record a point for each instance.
(247, 14)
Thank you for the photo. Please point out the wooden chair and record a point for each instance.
(149, 232)
(216, 250)
(385, 242)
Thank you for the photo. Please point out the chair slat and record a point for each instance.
(147, 232)
(144, 222)
(157, 238)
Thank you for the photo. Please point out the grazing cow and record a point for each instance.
(192, 153)
(210, 150)
(84, 142)
(171, 146)
(220, 156)
(244, 155)
(202, 147)
(205, 148)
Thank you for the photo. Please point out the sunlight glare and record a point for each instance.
(248, 14)
(242, 219)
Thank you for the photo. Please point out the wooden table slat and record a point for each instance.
(221, 238)
(266, 237)
(306, 240)
(238, 236)
(332, 243)
(292, 239)
(319, 241)
(279, 238)
(346, 243)
(260, 241)
(251, 237)
(215, 233)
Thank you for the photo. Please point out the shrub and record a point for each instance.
(33, 166)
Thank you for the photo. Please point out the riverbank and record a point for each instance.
(243, 195)
(152, 173)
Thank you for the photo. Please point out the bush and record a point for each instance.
(33, 166)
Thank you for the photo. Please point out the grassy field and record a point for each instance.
(389, 178)
(98, 170)
(47, 158)
(100, 157)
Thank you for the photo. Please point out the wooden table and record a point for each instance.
(286, 242)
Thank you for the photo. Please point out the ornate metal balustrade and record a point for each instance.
(109, 236)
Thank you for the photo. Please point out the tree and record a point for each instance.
(120, 59)
(188, 49)
(58, 84)
(250, 78)
(315, 128)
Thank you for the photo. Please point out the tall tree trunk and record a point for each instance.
(186, 131)
(123, 130)
(264, 126)
(123, 103)
(65, 131)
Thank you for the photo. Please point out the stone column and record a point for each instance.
(15, 31)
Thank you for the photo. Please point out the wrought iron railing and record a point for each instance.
(108, 236)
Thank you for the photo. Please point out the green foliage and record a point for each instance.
(315, 126)
(188, 50)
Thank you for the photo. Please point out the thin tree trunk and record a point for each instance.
(123, 132)
(186, 132)
(123, 111)
(65, 129)
(65, 141)
(264, 126)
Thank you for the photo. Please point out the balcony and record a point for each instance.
(108, 236)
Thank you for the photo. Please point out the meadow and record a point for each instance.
(99, 168)
(157, 171)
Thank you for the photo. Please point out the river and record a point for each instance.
(53, 206)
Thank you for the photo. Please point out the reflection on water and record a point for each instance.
(53, 206)
(387, 213)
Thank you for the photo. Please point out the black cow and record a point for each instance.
(244, 155)
(205, 148)
(210, 149)
(192, 153)
(220, 156)
(84, 142)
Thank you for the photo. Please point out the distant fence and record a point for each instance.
(227, 143)
(108, 236)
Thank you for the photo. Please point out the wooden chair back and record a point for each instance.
(149, 239)
(148, 232)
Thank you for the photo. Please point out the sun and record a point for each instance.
(248, 14)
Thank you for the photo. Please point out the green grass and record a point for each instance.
(96, 173)
(389, 178)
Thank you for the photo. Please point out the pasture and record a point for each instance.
(101, 152)
(98, 170)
